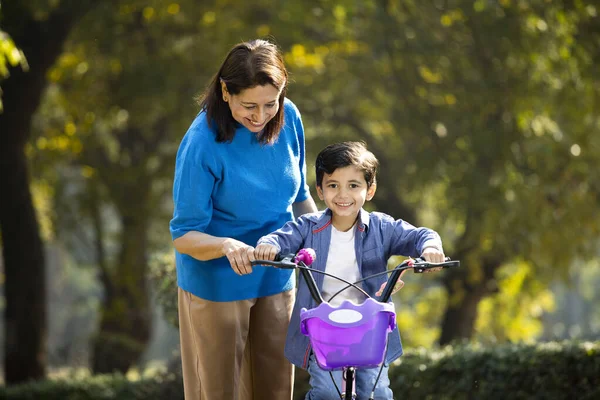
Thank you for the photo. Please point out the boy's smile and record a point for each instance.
(345, 192)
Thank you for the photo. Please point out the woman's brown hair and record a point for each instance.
(248, 64)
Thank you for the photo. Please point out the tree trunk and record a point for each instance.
(24, 264)
(459, 318)
(458, 322)
(25, 289)
(126, 316)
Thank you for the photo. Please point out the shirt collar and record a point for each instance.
(363, 220)
(323, 219)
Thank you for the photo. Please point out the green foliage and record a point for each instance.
(513, 313)
(419, 308)
(10, 56)
(117, 350)
(543, 371)
(99, 387)
(164, 279)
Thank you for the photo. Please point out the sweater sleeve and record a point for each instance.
(193, 185)
(304, 191)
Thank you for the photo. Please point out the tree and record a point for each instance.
(465, 107)
(40, 30)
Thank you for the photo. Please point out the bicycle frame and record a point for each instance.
(299, 261)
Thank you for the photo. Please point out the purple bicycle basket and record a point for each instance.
(348, 335)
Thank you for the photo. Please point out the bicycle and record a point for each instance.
(365, 327)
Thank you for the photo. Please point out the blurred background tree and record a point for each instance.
(484, 116)
(464, 104)
(39, 28)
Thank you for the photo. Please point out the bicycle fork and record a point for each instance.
(349, 383)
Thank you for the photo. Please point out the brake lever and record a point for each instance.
(421, 265)
(286, 261)
(281, 261)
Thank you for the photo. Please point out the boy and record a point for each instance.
(350, 243)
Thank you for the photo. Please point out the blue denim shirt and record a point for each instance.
(378, 238)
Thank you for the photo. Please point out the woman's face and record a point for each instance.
(253, 107)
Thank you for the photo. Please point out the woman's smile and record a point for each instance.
(255, 124)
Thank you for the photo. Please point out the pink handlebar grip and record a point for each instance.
(307, 256)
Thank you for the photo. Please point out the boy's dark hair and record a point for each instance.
(248, 64)
(343, 154)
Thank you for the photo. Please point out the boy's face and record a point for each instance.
(345, 192)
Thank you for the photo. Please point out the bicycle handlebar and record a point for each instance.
(419, 266)
(300, 261)
(305, 257)
(290, 261)
(284, 262)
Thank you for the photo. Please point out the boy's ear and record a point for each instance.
(320, 192)
(371, 191)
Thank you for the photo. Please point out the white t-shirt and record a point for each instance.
(341, 261)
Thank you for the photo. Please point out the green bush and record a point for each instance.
(101, 387)
(541, 371)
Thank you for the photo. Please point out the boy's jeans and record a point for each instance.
(322, 387)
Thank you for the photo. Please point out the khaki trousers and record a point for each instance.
(234, 350)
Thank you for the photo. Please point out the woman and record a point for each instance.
(239, 175)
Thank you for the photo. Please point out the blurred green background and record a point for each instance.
(485, 116)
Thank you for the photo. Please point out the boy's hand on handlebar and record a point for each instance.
(433, 255)
(399, 285)
(240, 256)
(266, 252)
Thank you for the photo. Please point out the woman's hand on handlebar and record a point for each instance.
(266, 252)
(433, 255)
(240, 255)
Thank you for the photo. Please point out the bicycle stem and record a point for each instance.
(393, 279)
(310, 282)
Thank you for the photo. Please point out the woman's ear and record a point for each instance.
(224, 90)
(371, 191)
(320, 192)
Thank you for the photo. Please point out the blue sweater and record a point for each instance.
(242, 190)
